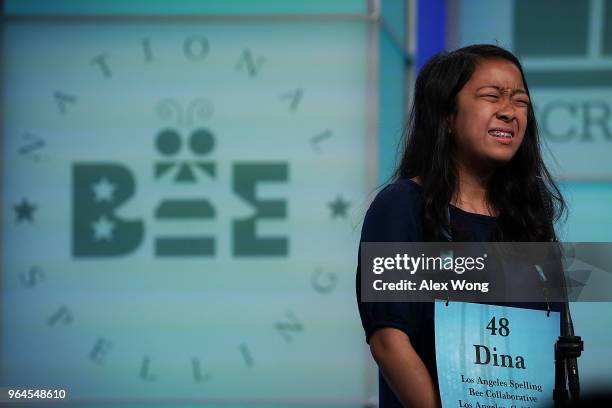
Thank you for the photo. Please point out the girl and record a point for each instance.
(471, 171)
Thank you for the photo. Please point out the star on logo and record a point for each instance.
(103, 229)
(103, 190)
(24, 211)
(338, 207)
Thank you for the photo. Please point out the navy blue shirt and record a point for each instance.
(395, 216)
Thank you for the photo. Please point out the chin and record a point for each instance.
(498, 160)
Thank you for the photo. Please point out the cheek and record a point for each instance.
(522, 123)
(471, 124)
(477, 125)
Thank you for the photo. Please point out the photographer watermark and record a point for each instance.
(485, 271)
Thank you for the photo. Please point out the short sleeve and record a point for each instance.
(392, 217)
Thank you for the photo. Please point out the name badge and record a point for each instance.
(495, 356)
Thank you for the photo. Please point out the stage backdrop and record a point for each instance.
(181, 202)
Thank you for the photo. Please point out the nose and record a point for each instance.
(506, 111)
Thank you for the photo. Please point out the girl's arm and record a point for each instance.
(403, 368)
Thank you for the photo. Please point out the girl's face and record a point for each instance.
(491, 117)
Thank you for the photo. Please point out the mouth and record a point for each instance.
(503, 136)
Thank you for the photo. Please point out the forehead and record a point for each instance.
(496, 72)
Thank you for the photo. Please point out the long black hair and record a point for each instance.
(526, 197)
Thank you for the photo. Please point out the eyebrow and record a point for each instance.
(501, 89)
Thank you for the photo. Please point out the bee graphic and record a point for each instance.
(170, 143)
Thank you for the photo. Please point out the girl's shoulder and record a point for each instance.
(394, 215)
(399, 193)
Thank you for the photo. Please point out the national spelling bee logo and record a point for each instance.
(100, 188)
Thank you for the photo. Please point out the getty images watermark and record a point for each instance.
(413, 264)
(485, 271)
